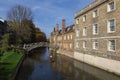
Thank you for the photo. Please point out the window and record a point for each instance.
(95, 13)
(84, 18)
(64, 37)
(77, 33)
(54, 38)
(77, 21)
(84, 44)
(111, 25)
(84, 31)
(71, 36)
(68, 37)
(111, 45)
(111, 6)
(70, 45)
(95, 44)
(95, 29)
(77, 45)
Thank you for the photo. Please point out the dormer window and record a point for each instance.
(111, 6)
(77, 21)
(84, 18)
(95, 13)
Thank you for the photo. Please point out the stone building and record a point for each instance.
(63, 38)
(97, 38)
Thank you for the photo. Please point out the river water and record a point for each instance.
(37, 66)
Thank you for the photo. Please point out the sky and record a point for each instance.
(47, 13)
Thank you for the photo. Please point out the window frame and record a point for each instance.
(94, 45)
(95, 12)
(109, 27)
(84, 44)
(77, 21)
(109, 45)
(77, 44)
(84, 31)
(94, 29)
(77, 33)
(84, 18)
(109, 8)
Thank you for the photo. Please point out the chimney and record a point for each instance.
(63, 26)
(57, 27)
(63, 23)
(54, 30)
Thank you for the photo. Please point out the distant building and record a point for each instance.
(3, 26)
(97, 37)
(63, 38)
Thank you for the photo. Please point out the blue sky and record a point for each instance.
(47, 13)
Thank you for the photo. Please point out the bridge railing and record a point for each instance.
(35, 45)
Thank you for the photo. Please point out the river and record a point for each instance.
(37, 66)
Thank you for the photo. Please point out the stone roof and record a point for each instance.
(90, 7)
(69, 29)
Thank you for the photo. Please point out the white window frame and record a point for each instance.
(111, 46)
(84, 18)
(71, 36)
(94, 45)
(77, 44)
(109, 6)
(77, 33)
(108, 26)
(84, 31)
(65, 37)
(95, 14)
(94, 29)
(77, 21)
(70, 45)
(68, 37)
(84, 44)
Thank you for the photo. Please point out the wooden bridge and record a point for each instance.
(31, 46)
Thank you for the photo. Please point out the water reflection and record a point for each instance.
(37, 66)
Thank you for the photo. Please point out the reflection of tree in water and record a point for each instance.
(29, 63)
(36, 53)
(26, 69)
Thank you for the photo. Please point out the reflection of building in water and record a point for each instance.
(64, 67)
(96, 72)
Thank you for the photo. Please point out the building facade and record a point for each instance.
(97, 36)
(63, 38)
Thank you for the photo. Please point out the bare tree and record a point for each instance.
(16, 20)
(19, 13)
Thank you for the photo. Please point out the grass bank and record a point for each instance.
(8, 63)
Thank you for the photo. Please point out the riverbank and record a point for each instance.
(9, 63)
